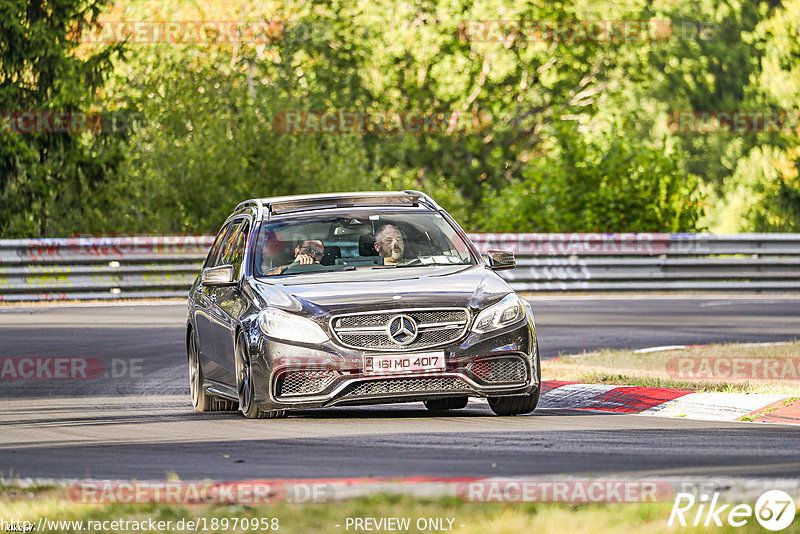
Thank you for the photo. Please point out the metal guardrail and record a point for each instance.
(152, 267)
(650, 261)
(100, 268)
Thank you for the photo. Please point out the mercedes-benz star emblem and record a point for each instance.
(402, 329)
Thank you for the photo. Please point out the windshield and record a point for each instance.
(355, 241)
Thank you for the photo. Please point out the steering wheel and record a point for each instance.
(292, 267)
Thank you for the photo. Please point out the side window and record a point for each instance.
(236, 253)
(229, 243)
(213, 254)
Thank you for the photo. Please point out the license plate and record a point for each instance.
(383, 364)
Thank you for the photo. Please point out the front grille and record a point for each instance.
(304, 383)
(499, 370)
(405, 385)
(368, 331)
(381, 318)
(425, 339)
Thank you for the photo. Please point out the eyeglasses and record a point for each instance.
(311, 251)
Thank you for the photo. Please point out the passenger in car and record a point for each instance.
(308, 252)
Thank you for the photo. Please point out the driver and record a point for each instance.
(308, 252)
(389, 244)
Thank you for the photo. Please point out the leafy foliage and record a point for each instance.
(610, 183)
(567, 136)
(46, 177)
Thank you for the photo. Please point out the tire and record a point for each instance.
(201, 400)
(245, 387)
(451, 403)
(516, 405)
(519, 404)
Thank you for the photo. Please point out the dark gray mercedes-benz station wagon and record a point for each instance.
(355, 298)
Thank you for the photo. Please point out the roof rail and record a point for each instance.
(296, 203)
(252, 203)
(425, 198)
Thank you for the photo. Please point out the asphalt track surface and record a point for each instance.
(135, 420)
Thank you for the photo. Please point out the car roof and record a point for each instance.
(266, 207)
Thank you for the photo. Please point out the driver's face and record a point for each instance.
(390, 246)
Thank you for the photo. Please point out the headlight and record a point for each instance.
(529, 311)
(281, 325)
(508, 311)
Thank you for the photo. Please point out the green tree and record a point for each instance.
(763, 194)
(207, 140)
(610, 185)
(45, 177)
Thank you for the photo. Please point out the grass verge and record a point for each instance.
(467, 518)
(734, 368)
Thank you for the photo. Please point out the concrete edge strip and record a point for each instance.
(684, 347)
(665, 402)
(665, 348)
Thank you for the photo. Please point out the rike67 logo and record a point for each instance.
(774, 510)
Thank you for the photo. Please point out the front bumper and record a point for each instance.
(290, 376)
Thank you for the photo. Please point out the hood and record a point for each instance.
(471, 287)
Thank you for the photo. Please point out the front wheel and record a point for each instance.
(516, 405)
(245, 386)
(520, 404)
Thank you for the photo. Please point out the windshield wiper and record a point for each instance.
(435, 264)
(315, 271)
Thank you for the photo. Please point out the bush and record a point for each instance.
(613, 184)
(763, 195)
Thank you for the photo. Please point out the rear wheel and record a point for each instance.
(201, 400)
(245, 387)
(452, 403)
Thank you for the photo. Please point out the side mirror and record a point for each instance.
(500, 260)
(218, 276)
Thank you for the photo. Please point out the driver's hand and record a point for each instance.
(304, 259)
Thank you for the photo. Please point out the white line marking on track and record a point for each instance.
(660, 349)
